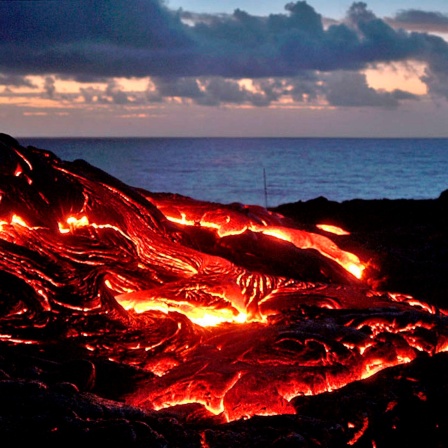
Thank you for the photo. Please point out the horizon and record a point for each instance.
(130, 137)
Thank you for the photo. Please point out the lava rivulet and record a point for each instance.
(245, 218)
(204, 299)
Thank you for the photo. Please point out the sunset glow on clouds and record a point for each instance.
(140, 68)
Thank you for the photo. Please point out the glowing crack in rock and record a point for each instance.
(232, 307)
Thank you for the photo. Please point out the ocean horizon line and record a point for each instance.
(55, 137)
(232, 169)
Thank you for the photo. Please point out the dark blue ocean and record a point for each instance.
(267, 171)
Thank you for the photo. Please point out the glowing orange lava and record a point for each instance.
(73, 223)
(184, 292)
(227, 223)
(332, 229)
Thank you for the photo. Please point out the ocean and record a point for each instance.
(267, 171)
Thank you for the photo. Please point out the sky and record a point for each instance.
(239, 68)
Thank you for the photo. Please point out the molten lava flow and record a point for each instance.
(332, 229)
(228, 222)
(73, 223)
(185, 291)
(325, 246)
(200, 314)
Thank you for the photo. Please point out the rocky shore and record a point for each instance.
(404, 241)
(67, 369)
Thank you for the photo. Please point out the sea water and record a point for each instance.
(267, 171)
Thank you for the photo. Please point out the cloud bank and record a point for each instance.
(415, 19)
(200, 58)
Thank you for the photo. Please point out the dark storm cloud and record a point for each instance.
(49, 86)
(89, 94)
(15, 81)
(218, 90)
(306, 87)
(350, 89)
(198, 57)
(415, 19)
(214, 91)
(117, 95)
(143, 37)
(437, 83)
(91, 38)
(178, 87)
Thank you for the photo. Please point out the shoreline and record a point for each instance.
(336, 361)
(406, 239)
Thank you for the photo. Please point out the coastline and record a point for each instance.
(405, 239)
(63, 374)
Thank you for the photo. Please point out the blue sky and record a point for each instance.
(328, 8)
(235, 68)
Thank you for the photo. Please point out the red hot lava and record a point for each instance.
(233, 307)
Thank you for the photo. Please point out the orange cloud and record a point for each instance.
(402, 76)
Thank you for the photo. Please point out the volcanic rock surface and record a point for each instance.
(129, 318)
